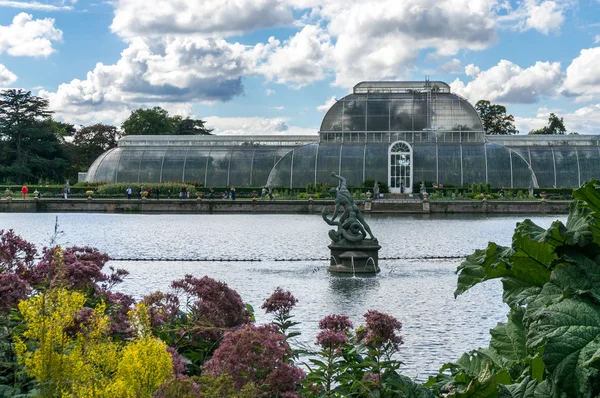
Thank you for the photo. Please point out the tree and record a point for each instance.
(157, 121)
(555, 125)
(494, 118)
(29, 147)
(87, 144)
(189, 126)
(153, 121)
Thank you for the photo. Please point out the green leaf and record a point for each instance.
(580, 276)
(481, 266)
(590, 194)
(508, 339)
(570, 329)
(518, 293)
(525, 389)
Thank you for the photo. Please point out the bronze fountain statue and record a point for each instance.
(354, 249)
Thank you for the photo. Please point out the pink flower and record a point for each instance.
(280, 302)
(162, 308)
(330, 339)
(12, 290)
(380, 329)
(337, 323)
(215, 307)
(256, 354)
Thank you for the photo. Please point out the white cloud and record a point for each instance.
(452, 66)
(278, 108)
(508, 82)
(6, 77)
(328, 104)
(269, 92)
(254, 126)
(28, 37)
(584, 120)
(597, 38)
(301, 60)
(180, 70)
(207, 17)
(583, 75)
(34, 5)
(544, 16)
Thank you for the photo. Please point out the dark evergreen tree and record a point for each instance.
(29, 147)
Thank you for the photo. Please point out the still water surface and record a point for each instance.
(436, 327)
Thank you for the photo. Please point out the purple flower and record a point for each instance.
(337, 323)
(280, 302)
(216, 306)
(162, 308)
(256, 354)
(16, 254)
(380, 329)
(12, 290)
(329, 338)
(118, 307)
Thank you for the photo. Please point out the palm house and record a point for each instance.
(401, 133)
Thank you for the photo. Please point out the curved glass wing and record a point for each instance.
(104, 168)
(473, 163)
(172, 167)
(128, 168)
(151, 165)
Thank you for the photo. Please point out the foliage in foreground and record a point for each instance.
(64, 333)
(550, 345)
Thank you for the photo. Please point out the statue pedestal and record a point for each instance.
(358, 258)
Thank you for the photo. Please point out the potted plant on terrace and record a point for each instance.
(89, 194)
(8, 194)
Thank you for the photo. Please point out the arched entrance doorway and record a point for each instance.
(400, 176)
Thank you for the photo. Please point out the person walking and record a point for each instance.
(157, 193)
(183, 192)
(129, 191)
(24, 191)
(232, 193)
(263, 193)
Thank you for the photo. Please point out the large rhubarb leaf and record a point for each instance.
(481, 266)
(508, 339)
(570, 331)
(590, 194)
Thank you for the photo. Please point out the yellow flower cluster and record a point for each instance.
(82, 361)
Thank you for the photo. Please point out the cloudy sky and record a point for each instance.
(274, 66)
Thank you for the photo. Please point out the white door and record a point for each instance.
(400, 167)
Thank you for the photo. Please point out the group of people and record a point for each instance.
(264, 192)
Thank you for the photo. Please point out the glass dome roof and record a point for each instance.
(401, 106)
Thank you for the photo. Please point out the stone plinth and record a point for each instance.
(359, 258)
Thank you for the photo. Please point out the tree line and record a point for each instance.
(497, 121)
(35, 148)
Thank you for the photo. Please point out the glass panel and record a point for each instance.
(378, 123)
(376, 163)
(449, 164)
(333, 119)
(264, 160)
(173, 166)
(218, 165)
(566, 167)
(129, 165)
(195, 166)
(424, 168)
(498, 161)
(280, 176)
(106, 170)
(304, 165)
(352, 164)
(401, 115)
(420, 112)
(589, 163)
(542, 164)
(354, 123)
(151, 165)
(91, 172)
(474, 164)
(241, 165)
(521, 172)
(328, 161)
(354, 115)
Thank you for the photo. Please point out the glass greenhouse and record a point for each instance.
(398, 132)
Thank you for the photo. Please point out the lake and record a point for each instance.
(412, 286)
